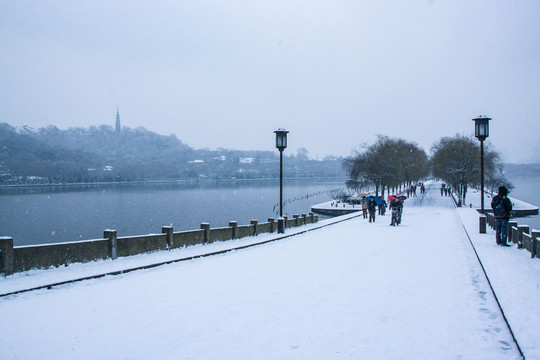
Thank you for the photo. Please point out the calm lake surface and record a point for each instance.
(60, 214)
(527, 188)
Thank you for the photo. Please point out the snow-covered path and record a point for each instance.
(350, 290)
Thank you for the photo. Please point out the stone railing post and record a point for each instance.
(482, 224)
(295, 217)
(304, 219)
(206, 228)
(271, 221)
(281, 225)
(234, 227)
(255, 224)
(113, 242)
(169, 231)
(7, 256)
(522, 229)
(535, 247)
(312, 216)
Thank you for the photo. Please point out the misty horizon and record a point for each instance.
(226, 75)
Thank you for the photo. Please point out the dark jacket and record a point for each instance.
(396, 204)
(506, 203)
(372, 205)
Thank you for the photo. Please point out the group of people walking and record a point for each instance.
(411, 190)
(446, 190)
(501, 205)
(370, 207)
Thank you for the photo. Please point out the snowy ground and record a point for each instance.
(350, 290)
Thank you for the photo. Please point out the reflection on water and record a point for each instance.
(33, 215)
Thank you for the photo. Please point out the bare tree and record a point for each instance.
(456, 160)
(496, 179)
(338, 194)
(387, 163)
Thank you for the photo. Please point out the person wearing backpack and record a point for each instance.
(502, 206)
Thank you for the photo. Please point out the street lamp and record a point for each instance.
(281, 144)
(481, 131)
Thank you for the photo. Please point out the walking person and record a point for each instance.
(372, 207)
(363, 202)
(396, 206)
(502, 207)
(382, 207)
(400, 210)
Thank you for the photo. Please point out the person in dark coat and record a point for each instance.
(396, 206)
(382, 207)
(502, 207)
(372, 208)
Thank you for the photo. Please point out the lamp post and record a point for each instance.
(481, 131)
(281, 144)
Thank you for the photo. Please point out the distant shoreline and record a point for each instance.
(164, 182)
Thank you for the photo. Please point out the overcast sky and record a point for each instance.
(227, 73)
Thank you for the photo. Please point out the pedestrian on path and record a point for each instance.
(502, 207)
(382, 207)
(396, 207)
(363, 202)
(372, 207)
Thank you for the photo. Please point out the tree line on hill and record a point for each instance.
(100, 154)
(395, 163)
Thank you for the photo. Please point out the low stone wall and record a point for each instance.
(220, 234)
(521, 235)
(244, 231)
(127, 246)
(44, 256)
(267, 227)
(187, 238)
(22, 258)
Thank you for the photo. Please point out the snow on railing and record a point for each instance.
(21, 258)
(521, 235)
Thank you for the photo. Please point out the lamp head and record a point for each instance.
(481, 127)
(281, 139)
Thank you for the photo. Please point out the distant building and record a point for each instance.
(247, 160)
(118, 127)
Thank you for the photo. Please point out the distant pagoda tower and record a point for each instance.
(118, 127)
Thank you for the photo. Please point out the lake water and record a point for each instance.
(527, 188)
(60, 214)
